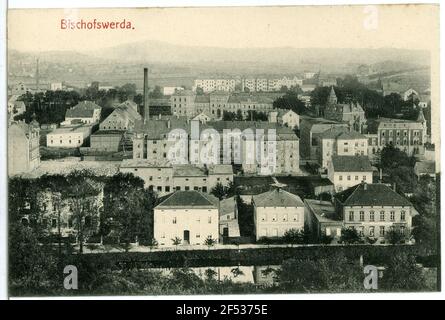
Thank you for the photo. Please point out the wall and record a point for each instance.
(200, 222)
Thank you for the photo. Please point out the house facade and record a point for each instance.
(348, 171)
(86, 112)
(23, 147)
(190, 216)
(374, 210)
(275, 212)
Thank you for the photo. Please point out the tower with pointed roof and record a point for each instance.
(332, 99)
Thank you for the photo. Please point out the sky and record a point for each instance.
(392, 26)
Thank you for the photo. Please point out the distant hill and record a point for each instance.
(156, 51)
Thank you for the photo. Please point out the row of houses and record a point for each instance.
(191, 217)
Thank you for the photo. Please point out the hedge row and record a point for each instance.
(372, 254)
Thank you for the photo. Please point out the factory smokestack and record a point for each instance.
(146, 100)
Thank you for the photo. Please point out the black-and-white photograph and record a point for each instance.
(223, 150)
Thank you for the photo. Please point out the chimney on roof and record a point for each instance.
(146, 100)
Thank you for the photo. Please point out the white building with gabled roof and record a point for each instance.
(277, 211)
(188, 216)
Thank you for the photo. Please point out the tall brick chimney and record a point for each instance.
(146, 99)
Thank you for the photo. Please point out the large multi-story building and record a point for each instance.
(209, 85)
(68, 136)
(165, 178)
(374, 210)
(188, 216)
(123, 117)
(348, 171)
(236, 143)
(340, 141)
(276, 212)
(351, 113)
(185, 103)
(310, 131)
(23, 147)
(408, 136)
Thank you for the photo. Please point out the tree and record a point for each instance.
(325, 239)
(333, 274)
(403, 274)
(209, 241)
(218, 191)
(395, 237)
(290, 101)
(156, 93)
(33, 264)
(239, 115)
(237, 272)
(199, 91)
(82, 198)
(294, 236)
(245, 217)
(127, 208)
(229, 116)
(210, 274)
(152, 243)
(350, 236)
(176, 241)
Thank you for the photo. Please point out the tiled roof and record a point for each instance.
(221, 169)
(333, 132)
(189, 199)
(202, 99)
(324, 211)
(351, 164)
(188, 170)
(84, 109)
(277, 198)
(375, 194)
(425, 167)
(227, 206)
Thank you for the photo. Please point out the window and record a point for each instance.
(204, 189)
(361, 231)
(402, 230)
(274, 217)
(392, 215)
(371, 231)
(349, 178)
(263, 217)
(159, 188)
(382, 231)
(351, 215)
(54, 223)
(187, 188)
(402, 216)
(296, 217)
(382, 215)
(356, 178)
(364, 178)
(371, 216)
(340, 178)
(209, 220)
(167, 188)
(285, 217)
(362, 216)
(174, 220)
(88, 222)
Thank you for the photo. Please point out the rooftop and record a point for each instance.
(277, 198)
(227, 206)
(425, 167)
(375, 194)
(324, 211)
(351, 164)
(189, 199)
(84, 109)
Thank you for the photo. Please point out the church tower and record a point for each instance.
(332, 99)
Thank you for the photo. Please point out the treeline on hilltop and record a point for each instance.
(50, 106)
